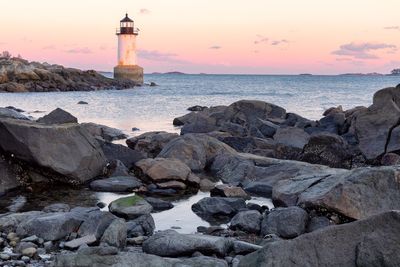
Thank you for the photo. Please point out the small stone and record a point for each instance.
(48, 246)
(76, 243)
(136, 240)
(32, 238)
(30, 252)
(25, 259)
(41, 251)
(5, 256)
(12, 236)
(13, 243)
(176, 227)
(83, 103)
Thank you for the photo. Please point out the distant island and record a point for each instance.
(169, 73)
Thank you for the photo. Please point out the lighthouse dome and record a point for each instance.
(126, 19)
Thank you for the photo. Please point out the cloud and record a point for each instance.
(155, 55)
(103, 47)
(392, 28)
(82, 50)
(363, 50)
(279, 42)
(261, 39)
(215, 47)
(49, 47)
(144, 11)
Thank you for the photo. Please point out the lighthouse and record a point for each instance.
(128, 67)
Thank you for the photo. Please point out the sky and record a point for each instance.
(210, 36)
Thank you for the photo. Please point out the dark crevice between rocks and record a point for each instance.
(390, 134)
(332, 215)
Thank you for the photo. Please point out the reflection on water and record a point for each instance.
(181, 217)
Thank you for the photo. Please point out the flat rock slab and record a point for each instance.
(116, 184)
(76, 243)
(172, 244)
(369, 242)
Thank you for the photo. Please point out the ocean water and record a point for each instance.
(153, 108)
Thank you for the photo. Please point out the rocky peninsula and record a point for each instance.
(20, 75)
(334, 184)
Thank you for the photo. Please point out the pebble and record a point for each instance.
(32, 238)
(30, 252)
(4, 256)
(12, 236)
(26, 259)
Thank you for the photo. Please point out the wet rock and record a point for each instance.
(115, 234)
(57, 207)
(258, 189)
(209, 207)
(58, 116)
(360, 243)
(116, 184)
(107, 133)
(76, 243)
(229, 191)
(159, 204)
(248, 221)
(82, 103)
(67, 150)
(13, 114)
(197, 108)
(94, 221)
(130, 207)
(171, 244)
(285, 222)
(141, 226)
(150, 143)
(254, 206)
(195, 150)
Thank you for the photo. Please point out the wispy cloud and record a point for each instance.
(144, 11)
(261, 39)
(392, 28)
(155, 55)
(82, 50)
(279, 42)
(216, 47)
(363, 50)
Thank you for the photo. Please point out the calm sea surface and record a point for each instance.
(153, 108)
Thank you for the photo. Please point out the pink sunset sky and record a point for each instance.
(211, 36)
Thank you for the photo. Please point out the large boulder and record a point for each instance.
(122, 153)
(169, 243)
(195, 150)
(130, 207)
(373, 241)
(356, 194)
(292, 137)
(161, 169)
(210, 208)
(150, 143)
(285, 222)
(327, 149)
(247, 169)
(107, 133)
(58, 116)
(13, 114)
(101, 257)
(115, 234)
(8, 177)
(248, 221)
(373, 126)
(68, 150)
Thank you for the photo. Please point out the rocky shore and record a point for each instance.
(20, 75)
(334, 184)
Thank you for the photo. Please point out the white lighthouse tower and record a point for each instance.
(127, 67)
